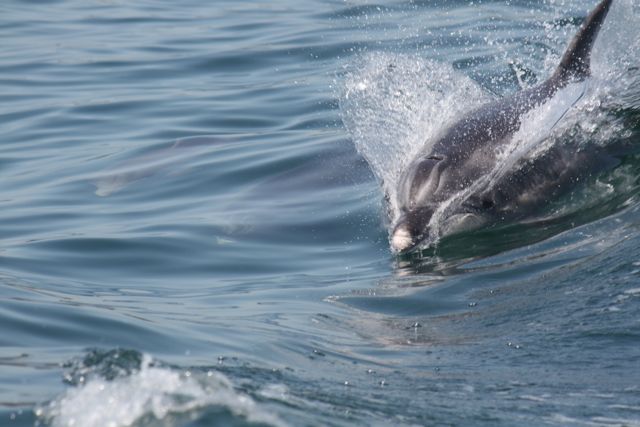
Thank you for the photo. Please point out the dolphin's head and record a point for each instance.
(416, 196)
(425, 185)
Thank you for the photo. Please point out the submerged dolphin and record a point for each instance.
(464, 153)
(173, 160)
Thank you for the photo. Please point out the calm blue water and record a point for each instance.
(194, 231)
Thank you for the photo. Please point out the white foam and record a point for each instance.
(151, 391)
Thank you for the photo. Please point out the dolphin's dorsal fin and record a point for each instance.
(576, 60)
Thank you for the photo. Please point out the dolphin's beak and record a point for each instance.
(401, 239)
(409, 231)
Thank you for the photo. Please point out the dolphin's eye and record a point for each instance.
(435, 157)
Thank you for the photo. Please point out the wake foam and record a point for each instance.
(111, 395)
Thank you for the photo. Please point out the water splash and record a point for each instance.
(395, 105)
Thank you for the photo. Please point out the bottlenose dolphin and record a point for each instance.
(173, 160)
(464, 154)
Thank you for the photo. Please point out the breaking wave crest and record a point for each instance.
(120, 388)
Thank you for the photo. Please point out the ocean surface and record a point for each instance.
(194, 229)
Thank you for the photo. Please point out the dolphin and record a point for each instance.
(173, 160)
(464, 154)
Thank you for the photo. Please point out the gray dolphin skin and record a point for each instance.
(464, 153)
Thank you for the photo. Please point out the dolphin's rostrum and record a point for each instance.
(464, 153)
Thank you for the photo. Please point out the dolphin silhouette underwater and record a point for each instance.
(465, 152)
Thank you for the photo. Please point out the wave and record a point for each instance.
(124, 387)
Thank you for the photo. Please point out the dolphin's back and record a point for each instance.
(491, 123)
(498, 120)
(576, 61)
(501, 118)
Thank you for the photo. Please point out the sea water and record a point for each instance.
(195, 207)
